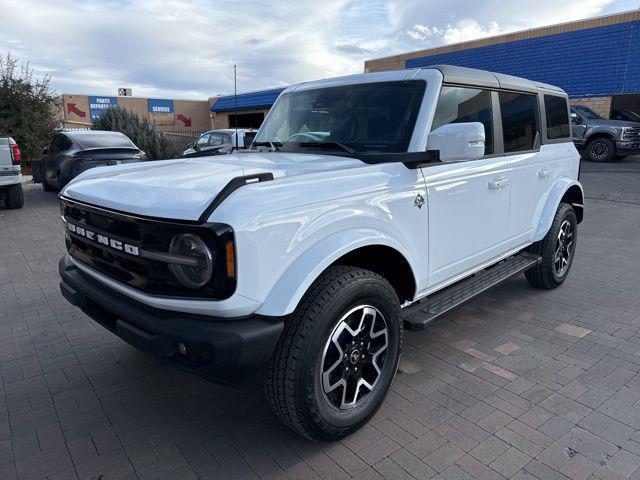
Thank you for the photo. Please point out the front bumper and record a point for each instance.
(231, 351)
(628, 148)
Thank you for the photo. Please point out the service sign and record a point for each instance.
(160, 106)
(97, 105)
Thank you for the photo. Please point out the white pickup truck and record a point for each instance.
(374, 202)
(10, 175)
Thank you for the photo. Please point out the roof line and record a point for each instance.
(515, 32)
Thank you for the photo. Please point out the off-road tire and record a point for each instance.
(544, 275)
(13, 196)
(293, 373)
(597, 145)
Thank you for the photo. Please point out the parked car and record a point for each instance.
(218, 142)
(73, 152)
(624, 114)
(302, 263)
(10, 174)
(599, 139)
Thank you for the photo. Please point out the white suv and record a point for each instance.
(376, 201)
(10, 175)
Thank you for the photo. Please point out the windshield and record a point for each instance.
(372, 117)
(586, 112)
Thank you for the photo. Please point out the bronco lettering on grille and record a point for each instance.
(103, 240)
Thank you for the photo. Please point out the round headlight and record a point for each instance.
(197, 269)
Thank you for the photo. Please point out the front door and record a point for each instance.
(468, 202)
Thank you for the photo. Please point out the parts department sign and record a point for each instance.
(97, 105)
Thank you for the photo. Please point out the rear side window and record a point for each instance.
(557, 112)
(519, 125)
(459, 105)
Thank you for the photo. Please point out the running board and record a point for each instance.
(420, 314)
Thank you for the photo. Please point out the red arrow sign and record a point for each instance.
(71, 108)
(183, 119)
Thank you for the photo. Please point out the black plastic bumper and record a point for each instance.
(628, 148)
(223, 350)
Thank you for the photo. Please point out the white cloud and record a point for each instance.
(187, 48)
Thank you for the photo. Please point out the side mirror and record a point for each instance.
(458, 141)
(45, 150)
(575, 119)
(189, 146)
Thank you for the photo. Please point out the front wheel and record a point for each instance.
(557, 250)
(337, 356)
(600, 150)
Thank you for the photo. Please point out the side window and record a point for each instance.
(519, 125)
(458, 105)
(203, 141)
(555, 108)
(215, 140)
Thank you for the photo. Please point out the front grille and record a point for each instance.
(145, 234)
(631, 135)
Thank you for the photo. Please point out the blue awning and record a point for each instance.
(246, 101)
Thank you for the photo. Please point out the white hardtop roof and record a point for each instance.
(451, 74)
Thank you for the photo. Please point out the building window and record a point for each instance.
(557, 114)
(458, 105)
(519, 125)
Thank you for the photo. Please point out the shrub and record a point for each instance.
(28, 108)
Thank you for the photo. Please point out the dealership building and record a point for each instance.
(596, 61)
(166, 114)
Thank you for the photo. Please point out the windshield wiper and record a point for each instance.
(344, 147)
(275, 146)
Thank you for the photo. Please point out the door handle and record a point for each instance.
(544, 172)
(498, 183)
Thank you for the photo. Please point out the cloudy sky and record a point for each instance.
(187, 49)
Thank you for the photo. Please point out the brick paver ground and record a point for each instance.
(519, 383)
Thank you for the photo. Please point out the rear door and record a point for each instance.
(534, 173)
(532, 166)
(468, 201)
(55, 157)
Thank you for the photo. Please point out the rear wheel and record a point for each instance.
(13, 196)
(600, 150)
(557, 250)
(46, 186)
(337, 356)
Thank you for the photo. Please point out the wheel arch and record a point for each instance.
(600, 134)
(565, 190)
(370, 250)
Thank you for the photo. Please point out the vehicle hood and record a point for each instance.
(611, 123)
(184, 188)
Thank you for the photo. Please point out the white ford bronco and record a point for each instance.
(370, 203)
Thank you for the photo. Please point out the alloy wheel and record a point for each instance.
(564, 249)
(354, 357)
(600, 150)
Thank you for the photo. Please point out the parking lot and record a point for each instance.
(519, 383)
